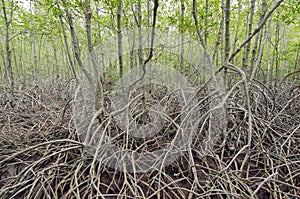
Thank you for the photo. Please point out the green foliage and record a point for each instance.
(44, 22)
(290, 12)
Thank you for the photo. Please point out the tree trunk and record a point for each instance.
(248, 45)
(35, 57)
(226, 57)
(139, 23)
(181, 28)
(258, 37)
(276, 51)
(57, 72)
(260, 54)
(75, 45)
(8, 68)
(227, 30)
(3, 60)
(66, 43)
(119, 28)
(99, 98)
(219, 38)
(270, 63)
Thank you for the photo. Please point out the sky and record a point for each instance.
(25, 4)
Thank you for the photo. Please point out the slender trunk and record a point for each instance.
(99, 98)
(297, 64)
(219, 38)
(67, 43)
(294, 92)
(276, 51)
(35, 57)
(182, 36)
(39, 54)
(139, 23)
(227, 51)
(206, 20)
(15, 61)
(247, 46)
(88, 16)
(100, 44)
(203, 43)
(258, 37)
(150, 55)
(259, 44)
(237, 34)
(227, 30)
(205, 36)
(260, 54)
(4, 61)
(119, 28)
(148, 13)
(57, 72)
(8, 74)
(21, 68)
(75, 45)
(269, 61)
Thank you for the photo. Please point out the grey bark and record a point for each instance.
(99, 98)
(248, 45)
(75, 46)
(258, 38)
(69, 57)
(57, 72)
(182, 36)
(119, 28)
(8, 68)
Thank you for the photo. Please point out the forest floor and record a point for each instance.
(42, 156)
